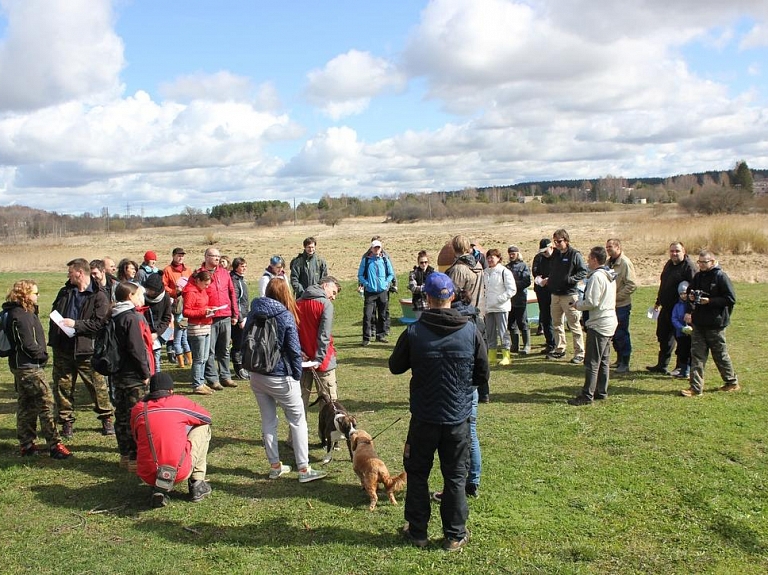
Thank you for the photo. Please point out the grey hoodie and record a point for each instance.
(600, 301)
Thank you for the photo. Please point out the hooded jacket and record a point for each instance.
(499, 289)
(241, 294)
(447, 358)
(671, 276)
(315, 326)
(287, 335)
(306, 271)
(25, 332)
(522, 277)
(600, 301)
(135, 342)
(717, 286)
(375, 273)
(467, 276)
(94, 312)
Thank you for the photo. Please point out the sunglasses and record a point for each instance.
(424, 261)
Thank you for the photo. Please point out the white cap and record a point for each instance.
(375, 244)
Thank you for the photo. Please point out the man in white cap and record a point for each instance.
(376, 275)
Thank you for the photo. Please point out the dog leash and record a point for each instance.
(387, 427)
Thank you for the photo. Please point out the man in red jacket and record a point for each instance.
(171, 430)
(315, 307)
(222, 297)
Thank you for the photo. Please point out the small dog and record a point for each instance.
(372, 471)
(334, 424)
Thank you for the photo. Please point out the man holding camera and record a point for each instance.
(712, 297)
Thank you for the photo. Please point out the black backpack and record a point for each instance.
(261, 350)
(5, 343)
(106, 352)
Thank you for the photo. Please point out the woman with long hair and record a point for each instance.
(27, 359)
(200, 317)
(281, 386)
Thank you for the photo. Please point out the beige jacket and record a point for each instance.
(626, 281)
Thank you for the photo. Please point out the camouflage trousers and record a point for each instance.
(35, 402)
(66, 369)
(127, 393)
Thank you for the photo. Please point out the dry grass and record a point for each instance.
(645, 231)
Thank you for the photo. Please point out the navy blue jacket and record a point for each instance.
(287, 335)
(448, 359)
(718, 288)
(565, 271)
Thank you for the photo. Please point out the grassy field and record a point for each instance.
(645, 482)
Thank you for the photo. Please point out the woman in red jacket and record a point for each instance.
(200, 317)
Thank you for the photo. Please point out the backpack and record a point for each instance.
(261, 350)
(106, 352)
(5, 344)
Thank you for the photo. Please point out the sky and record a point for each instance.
(154, 106)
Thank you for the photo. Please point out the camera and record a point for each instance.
(697, 295)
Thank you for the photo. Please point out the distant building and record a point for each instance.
(760, 188)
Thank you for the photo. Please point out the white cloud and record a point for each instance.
(347, 83)
(222, 86)
(57, 51)
(757, 37)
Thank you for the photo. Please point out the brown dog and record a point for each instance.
(372, 471)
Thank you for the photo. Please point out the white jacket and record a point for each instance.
(600, 301)
(500, 288)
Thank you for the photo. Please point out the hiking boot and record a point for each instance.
(275, 472)
(242, 373)
(29, 450)
(577, 360)
(67, 430)
(228, 383)
(310, 474)
(159, 499)
(58, 451)
(107, 427)
(690, 392)
(406, 532)
(365, 343)
(455, 544)
(556, 354)
(203, 390)
(731, 387)
(198, 490)
(215, 386)
(471, 490)
(484, 399)
(623, 368)
(657, 369)
(579, 400)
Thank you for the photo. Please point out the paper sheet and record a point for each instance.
(59, 321)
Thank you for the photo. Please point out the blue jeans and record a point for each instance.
(180, 341)
(199, 345)
(218, 355)
(475, 456)
(621, 341)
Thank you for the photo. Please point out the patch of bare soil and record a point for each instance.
(645, 236)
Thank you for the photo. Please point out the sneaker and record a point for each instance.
(365, 343)
(437, 496)
(577, 360)
(310, 475)
(67, 430)
(615, 364)
(579, 400)
(690, 392)
(657, 369)
(623, 368)
(406, 532)
(275, 472)
(455, 544)
(731, 387)
(29, 450)
(203, 390)
(107, 427)
(228, 383)
(484, 399)
(198, 490)
(547, 350)
(471, 490)
(675, 372)
(58, 451)
(556, 355)
(159, 499)
(682, 375)
(382, 339)
(242, 373)
(215, 386)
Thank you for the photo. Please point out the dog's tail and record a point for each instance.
(394, 483)
(321, 395)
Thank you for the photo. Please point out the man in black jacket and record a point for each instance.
(567, 269)
(84, 308)
(540, 272)
(712, 297)
(448, 359)
(679, 267)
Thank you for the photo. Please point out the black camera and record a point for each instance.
(697, 295)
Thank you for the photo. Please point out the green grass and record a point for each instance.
(645, 482)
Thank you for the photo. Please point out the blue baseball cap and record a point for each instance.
(439, 286)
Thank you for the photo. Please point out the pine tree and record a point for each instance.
(743, 177)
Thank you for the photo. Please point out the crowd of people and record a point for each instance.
(470, 318)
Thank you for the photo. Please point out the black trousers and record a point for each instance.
(452, 445)
(380, 303)
(545, 316)
(665, 333)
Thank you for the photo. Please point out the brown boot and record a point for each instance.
(180, 360)
(188, 357)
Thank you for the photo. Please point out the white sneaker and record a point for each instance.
(275, 472)
(310, 475)
(675, 372)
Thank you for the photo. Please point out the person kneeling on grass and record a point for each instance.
(172, 434)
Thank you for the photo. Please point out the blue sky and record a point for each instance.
(172, 104)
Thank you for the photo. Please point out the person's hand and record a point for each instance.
(234, 321)
(703, 301)
(68, 322)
